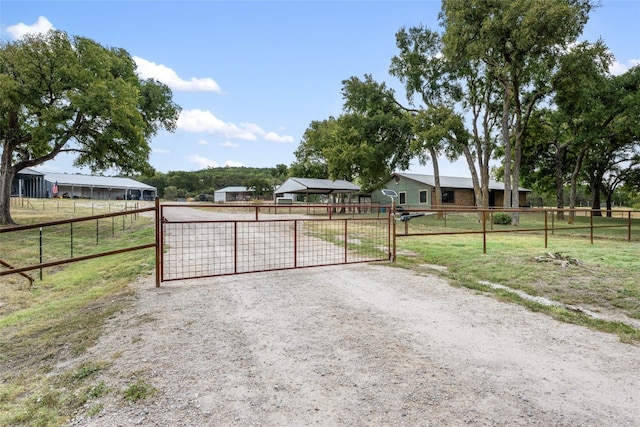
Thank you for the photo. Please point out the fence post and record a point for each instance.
(41, 256)
(158, 243)
(629, 226)
(591, 224)
(392, 219)
(484, 231)
(546, 229)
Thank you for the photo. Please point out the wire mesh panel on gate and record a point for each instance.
(213, 248)
(197, 249)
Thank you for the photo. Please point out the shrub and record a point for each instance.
(501, 218)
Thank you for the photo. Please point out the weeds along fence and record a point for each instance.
(586, 223)
(39, 245)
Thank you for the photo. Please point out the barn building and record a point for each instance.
(35, 184)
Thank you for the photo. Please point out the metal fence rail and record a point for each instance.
(38, 246)
(204, 248)
(619, 224)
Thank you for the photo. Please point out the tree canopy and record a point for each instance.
(62, 94)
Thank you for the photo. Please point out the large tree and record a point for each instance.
(443, 90)
(519, 42)
(562, 135)
(61, 94)
(366, 143)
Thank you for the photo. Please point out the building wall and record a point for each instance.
(411, 190)
(463, 197)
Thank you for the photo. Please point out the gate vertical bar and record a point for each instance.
(295, 243)
(159, 239)
(235, 247)
(346, 242)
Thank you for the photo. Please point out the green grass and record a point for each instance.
(58, 318)
(139, 390)
(606, 280)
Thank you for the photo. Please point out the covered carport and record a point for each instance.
(313, 186)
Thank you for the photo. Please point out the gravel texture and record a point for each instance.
(360, 344)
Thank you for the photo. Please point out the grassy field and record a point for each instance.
(61, 315)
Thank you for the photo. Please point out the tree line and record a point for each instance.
(179, 184)
(504, 85)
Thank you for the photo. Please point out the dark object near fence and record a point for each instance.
(407, 216)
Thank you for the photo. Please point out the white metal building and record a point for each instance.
(31, 183)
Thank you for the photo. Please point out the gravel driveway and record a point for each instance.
(361, 344)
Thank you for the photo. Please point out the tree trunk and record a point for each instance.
(506, 141)
(6, 178)
(481, 198)
(595, 200)
(436, 177)
(574, 184)
(561, 150)
(609, 198)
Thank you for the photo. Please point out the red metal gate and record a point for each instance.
(210, 240)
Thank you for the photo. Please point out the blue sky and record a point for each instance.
(250, 76)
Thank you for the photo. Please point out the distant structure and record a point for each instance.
(416, 190)
(31, 183)
(232, 194)
(293, 187)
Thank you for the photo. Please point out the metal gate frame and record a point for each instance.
(253, 241)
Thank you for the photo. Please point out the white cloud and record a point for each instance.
(160, 151)
(234, 164)
(229, 144)
(274, 137)
(201, 162)
(203, 142)
(42, 25)
(205, 121)
(164, 74)
(618, 68)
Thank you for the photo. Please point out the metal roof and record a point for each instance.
(316, 186)
(79, 180)
(233, 190)
(451, 181)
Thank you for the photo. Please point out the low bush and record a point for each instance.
(501, 218)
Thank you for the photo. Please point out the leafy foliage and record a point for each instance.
(501, 218)
(184, 184)
(61, 94)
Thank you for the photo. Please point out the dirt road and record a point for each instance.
(355, 345)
